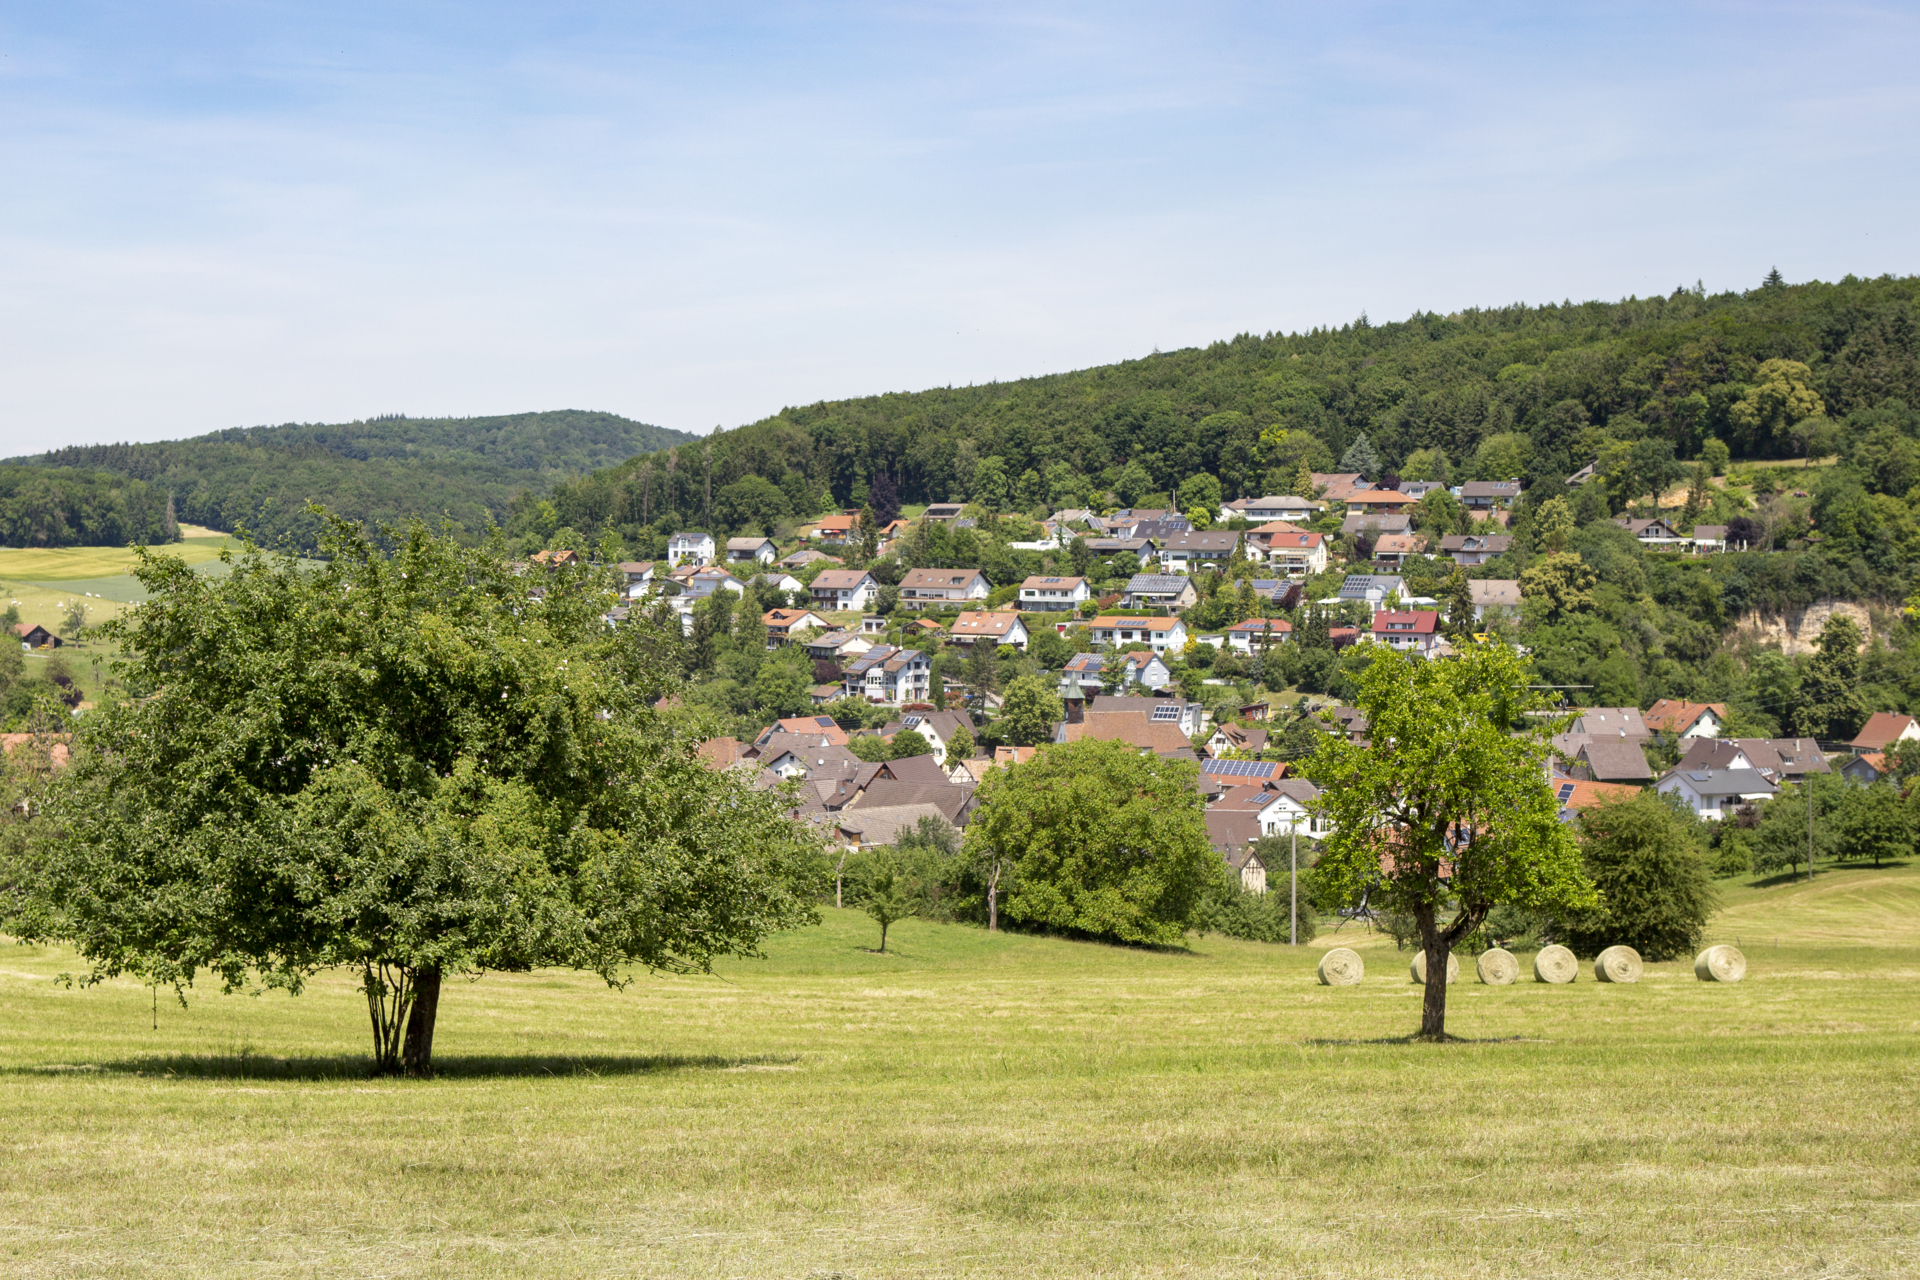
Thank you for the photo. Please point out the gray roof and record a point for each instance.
(1169, 584)
(1618, 762)
(1203, 540)
(885, 824)
(1359, 520)
(1494, 591)
(1357, 585)
(1726, 782)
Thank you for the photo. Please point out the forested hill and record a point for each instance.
(1534, 391)
(381, 469)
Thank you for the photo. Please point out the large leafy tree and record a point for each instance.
(1030, 711)
(1444, 812)
(1646, 856)
(412, 765)
(1831, 705)
(1096, 839)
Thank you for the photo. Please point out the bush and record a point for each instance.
(1647, 858)
(1226, 907)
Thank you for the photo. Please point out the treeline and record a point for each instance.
(1531, 391)
(383, 469)
(63, 507)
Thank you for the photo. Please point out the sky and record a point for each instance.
(230, 214)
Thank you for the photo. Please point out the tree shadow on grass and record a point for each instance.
(245, 1065)
(1417, 1039)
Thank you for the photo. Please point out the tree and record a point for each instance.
(1502, 457)
(1716, 455)
(990, 484)
(1646, 857)
(896, 882)
(74, 622)
(884, 497)
(1029, 712)
(1553, 524)
(1457, 595)
(1781, 836)
(1080, 555)
(1782, 395)
(960, 746)
(1201, 492)
(909, 742)
(982, 672)
(1445, 808)
(1135, 483)
(1831, 705)
(402, 765)
(1100, 840)
(1428, 464)
(1562, 583)
(1873, 823)
(1360, 457)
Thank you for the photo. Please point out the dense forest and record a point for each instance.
(1537, 392)
(67, 507)
(381, 469)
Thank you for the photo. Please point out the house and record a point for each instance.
(1606, 760)
(1868, 768)
(638, 573)
(1394, 548)
(837, 530)
(872, 828)
(1160, 633)
(1294, 551)
(1150, 729)
(843, 590)
(554, 559)
(1651, 533)
(1159, 591)
(1623, 724)
(778, 581)
(920, 588)
(1377, 502)
(791, 756)
(702, 583)
(824, 727)
(1711, 792)
(924, 782)
(872, 624)
(1685, 719)
(806, 556)
(1158, 531)
(1411, 631)
(750, 550)
(887, 674)
(1081, 678)
(1232, 737)
(1053, 595)
(1257, 634)
(34, 636)
(1418, 489)
(1282, 807)
(782, 623)
(1249, 774)
(1475, 548)
(1197, 548)
(691, 547)
(941, 512)
(837, 646)
(1335, 486)
(1244, 862)
(1358, 523)
(1188, 717)
(1141, 549)
(1284, 506)
(1494, 595)
(1778, 759)
(1709, 537)
(1370, 588)
(937, 727)
(1576, 794)
(1001, 626)
(1882, 730)
(1485, 495)
(725, 753)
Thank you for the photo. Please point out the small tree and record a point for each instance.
(1646, 857)
(1101, 841)
(1873, 823)
(1029, 713)
(1445, 808)
(960, 746)
(982, 672)
(884, 887)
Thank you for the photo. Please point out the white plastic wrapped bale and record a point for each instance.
(1720, 963)
(1497, 967)
(1555, 964)
(1418, 969)
(1617, 964)
(1341, 967)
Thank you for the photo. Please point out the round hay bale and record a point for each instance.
(1341, 967)
(1617, 964)
(1497, 968)
(1555, 964)
(1720, 963)
(1419, 967)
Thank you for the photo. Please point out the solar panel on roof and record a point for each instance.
(1238, 768)
(1166, 713)
(1566, 792)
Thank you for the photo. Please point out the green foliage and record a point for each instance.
(63, 506)
(1646, 856)
(1227, 907)
(909, 742)
(404, 766)
(1100, 841)
(1029, 712)
(908, 878)
(1787, 833)
(1831, 706)
(1873, 822)
(961, 746)
(1441, 761)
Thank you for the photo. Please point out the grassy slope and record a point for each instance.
(983, 1104)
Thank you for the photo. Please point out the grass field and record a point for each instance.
(997, 1105)
(42, 580)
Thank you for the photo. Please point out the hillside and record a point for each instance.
(380, 469)
(1533, 391)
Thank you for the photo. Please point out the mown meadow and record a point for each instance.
(974, 1104)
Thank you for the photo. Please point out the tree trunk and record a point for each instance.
(883, 937)
(1433, 999)
(416, 1058)
(993, 900)
(837, 871)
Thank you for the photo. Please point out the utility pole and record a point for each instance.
(1809, 786)
(1293, 886)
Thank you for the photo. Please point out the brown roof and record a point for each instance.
(806, 726)
(947, 579)
(978, 623)
(1585, 794)
(1135, 727)
(1677, 715)
(58, 753)
(1147, 624)
(721, 753)
(949, 798)
(1616, 761)
(1229, 830)
(1882, 730)
(835, 579)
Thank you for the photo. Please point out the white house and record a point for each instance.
(838, 646)
(886, 674)
(1185, 552)
(1494, 595)
(1284, 506)
(707, 581)
(690, 548)
(1414, 631)
(1685, 719)
(744, 550)
(1296, 552)
(996, 627)
(1160, 633)
(921, 588)
(839, 590)
(779, 581)
(1711, 792)
(1257, 633)
(1052, 595)
(1283, 807)
(1081, 679)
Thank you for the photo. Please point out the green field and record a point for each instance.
(997, 1105)
(42, 581)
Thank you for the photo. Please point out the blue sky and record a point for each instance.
(219, 214)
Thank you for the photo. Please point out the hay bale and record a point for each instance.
(1617, 964)
(1720, 963)
(1419, 967)
(1555, 964)
(1341, 967)
(1497, 968)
